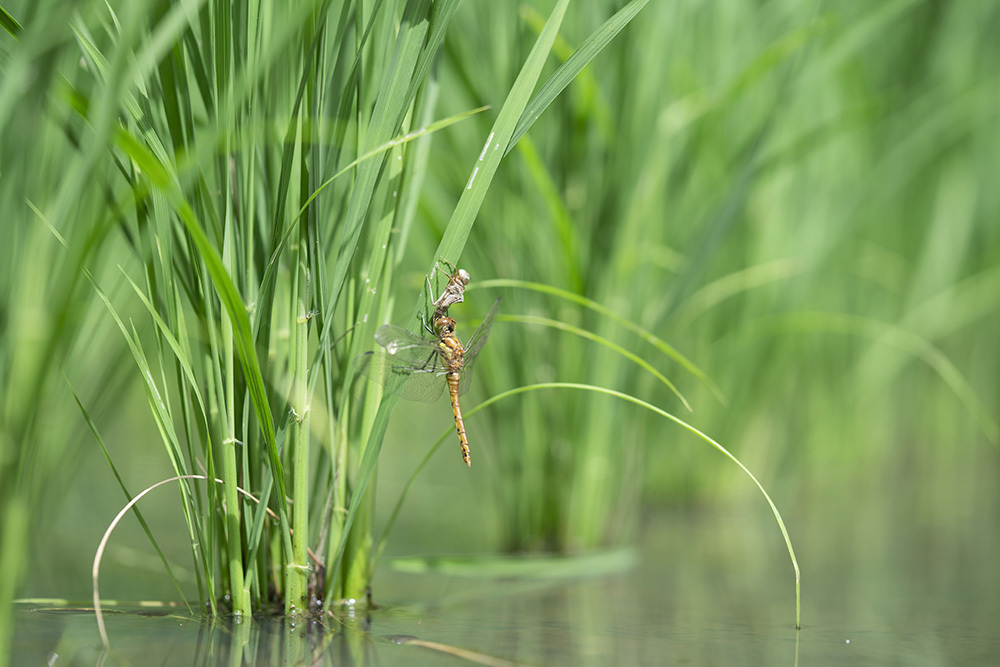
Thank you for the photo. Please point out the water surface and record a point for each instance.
(706, 588)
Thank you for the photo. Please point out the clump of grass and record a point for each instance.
(250, 165)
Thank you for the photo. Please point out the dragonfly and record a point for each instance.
(418, 368)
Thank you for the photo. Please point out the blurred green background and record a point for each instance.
(796, 197)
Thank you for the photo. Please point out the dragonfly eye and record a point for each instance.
(444, 326)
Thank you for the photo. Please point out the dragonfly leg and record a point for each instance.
(423, 322)
(454, 269)
(431, 358)
(428, 286)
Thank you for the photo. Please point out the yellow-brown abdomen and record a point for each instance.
(463, 439)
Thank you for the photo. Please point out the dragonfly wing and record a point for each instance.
(403, 342)
(476, 342)
(464, 381)
(413, 382)
(478, 339)
(407, 365)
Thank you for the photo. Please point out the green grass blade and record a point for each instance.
(366, 472)
(460, 225)
(9, 23)
(647, 336)
(894, 336)
(160, 410)
(568, 71)
(162, 418)
(614, 347)
(128, 494)
(543, 567)
(175, 346)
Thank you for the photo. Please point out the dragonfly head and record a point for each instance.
(444, 326)
(464, 276)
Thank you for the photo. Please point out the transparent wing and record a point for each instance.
(405, 343)
(475, 344)
(407, 365)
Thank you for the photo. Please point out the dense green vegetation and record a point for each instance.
(780, 213)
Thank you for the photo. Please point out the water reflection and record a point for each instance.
(707, 588)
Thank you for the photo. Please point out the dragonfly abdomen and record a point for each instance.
(452, 378)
